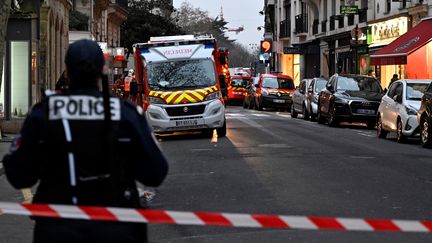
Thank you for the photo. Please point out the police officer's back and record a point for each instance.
(79, 158)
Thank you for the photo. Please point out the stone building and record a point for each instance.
(323, 37)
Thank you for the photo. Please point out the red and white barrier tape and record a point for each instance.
(214, 219)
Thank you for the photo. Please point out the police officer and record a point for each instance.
(81, 156)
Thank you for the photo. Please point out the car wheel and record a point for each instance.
(331, 118)
(305, 113)
(400, 138)
(425, 134)
(260, 105)
(244, 104)
(320, 118)
(381, 133)
(371, 124)
(312, 116)
(294, 113)
(221, 132)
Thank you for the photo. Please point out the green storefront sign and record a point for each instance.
(349, 9)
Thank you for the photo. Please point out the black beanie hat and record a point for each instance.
(84, 62)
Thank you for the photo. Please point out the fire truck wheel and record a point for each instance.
(222, 131)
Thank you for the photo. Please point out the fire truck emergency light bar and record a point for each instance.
(175, 41)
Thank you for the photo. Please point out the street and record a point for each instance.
(271, 163)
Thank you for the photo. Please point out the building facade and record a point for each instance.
(322, 37)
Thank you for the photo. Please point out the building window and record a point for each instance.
(388, 6)
(19, 78)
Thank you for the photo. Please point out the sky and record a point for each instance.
(237, 13)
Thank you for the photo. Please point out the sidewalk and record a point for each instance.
(4, 148)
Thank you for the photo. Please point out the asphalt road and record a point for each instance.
(270, 163)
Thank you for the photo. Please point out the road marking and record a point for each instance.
(259, 115)
(249, 122)
(28, 196)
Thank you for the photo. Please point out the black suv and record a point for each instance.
(350, 98)
(424, 118)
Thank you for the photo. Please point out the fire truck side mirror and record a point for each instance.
(222, 60)
(222, 81)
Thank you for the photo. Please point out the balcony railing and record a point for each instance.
(315, 26)
(324, 26)
(362, 15)
(285, 28)
(350, 19)
(301, 23)
(341, 21)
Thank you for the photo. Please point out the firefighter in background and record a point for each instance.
(127, 81)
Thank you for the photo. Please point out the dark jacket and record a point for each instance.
(41, 153)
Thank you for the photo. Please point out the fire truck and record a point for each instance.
(180, 83)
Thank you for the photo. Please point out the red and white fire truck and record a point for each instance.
(180, 83)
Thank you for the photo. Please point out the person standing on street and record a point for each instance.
(80, 153)
(393, 79)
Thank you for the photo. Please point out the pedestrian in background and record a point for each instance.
(79, 155)
(394, 78)
(371, 73)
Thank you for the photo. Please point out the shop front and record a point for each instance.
(20, 77)
(381, 36)
(290, 63)
(411, 52)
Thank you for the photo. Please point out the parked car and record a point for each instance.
(249, 100)
(424, 118)
(274, 91)
(350, 98)
(299, 99)
(237, 88)
(398, 109)
(316, 85)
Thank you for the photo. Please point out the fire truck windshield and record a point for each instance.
(177, 75)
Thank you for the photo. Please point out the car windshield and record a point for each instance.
(239, 82)
(278, 83)
(320, 84)
(177, 75)
(414, 91)
(364, 84)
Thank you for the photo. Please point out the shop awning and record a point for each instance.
(397, 51)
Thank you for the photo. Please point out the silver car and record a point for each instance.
(398, 109)
(315, 86)
(299, 99)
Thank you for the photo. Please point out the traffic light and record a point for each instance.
(266, 46)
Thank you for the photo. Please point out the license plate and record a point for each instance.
(186, 123)
(279, 101)
(366, 111)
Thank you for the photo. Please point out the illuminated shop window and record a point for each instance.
(19, 78)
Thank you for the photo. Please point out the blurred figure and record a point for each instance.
(394, 78)
(78, 153)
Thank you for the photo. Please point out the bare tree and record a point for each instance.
(5, 6)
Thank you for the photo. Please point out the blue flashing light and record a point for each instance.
(209, 46)
(145, 51)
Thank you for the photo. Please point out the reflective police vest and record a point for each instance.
(127, 82)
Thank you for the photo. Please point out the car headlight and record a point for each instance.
(265, 92)
(156, 100)
(213, 96)
(410, 110)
